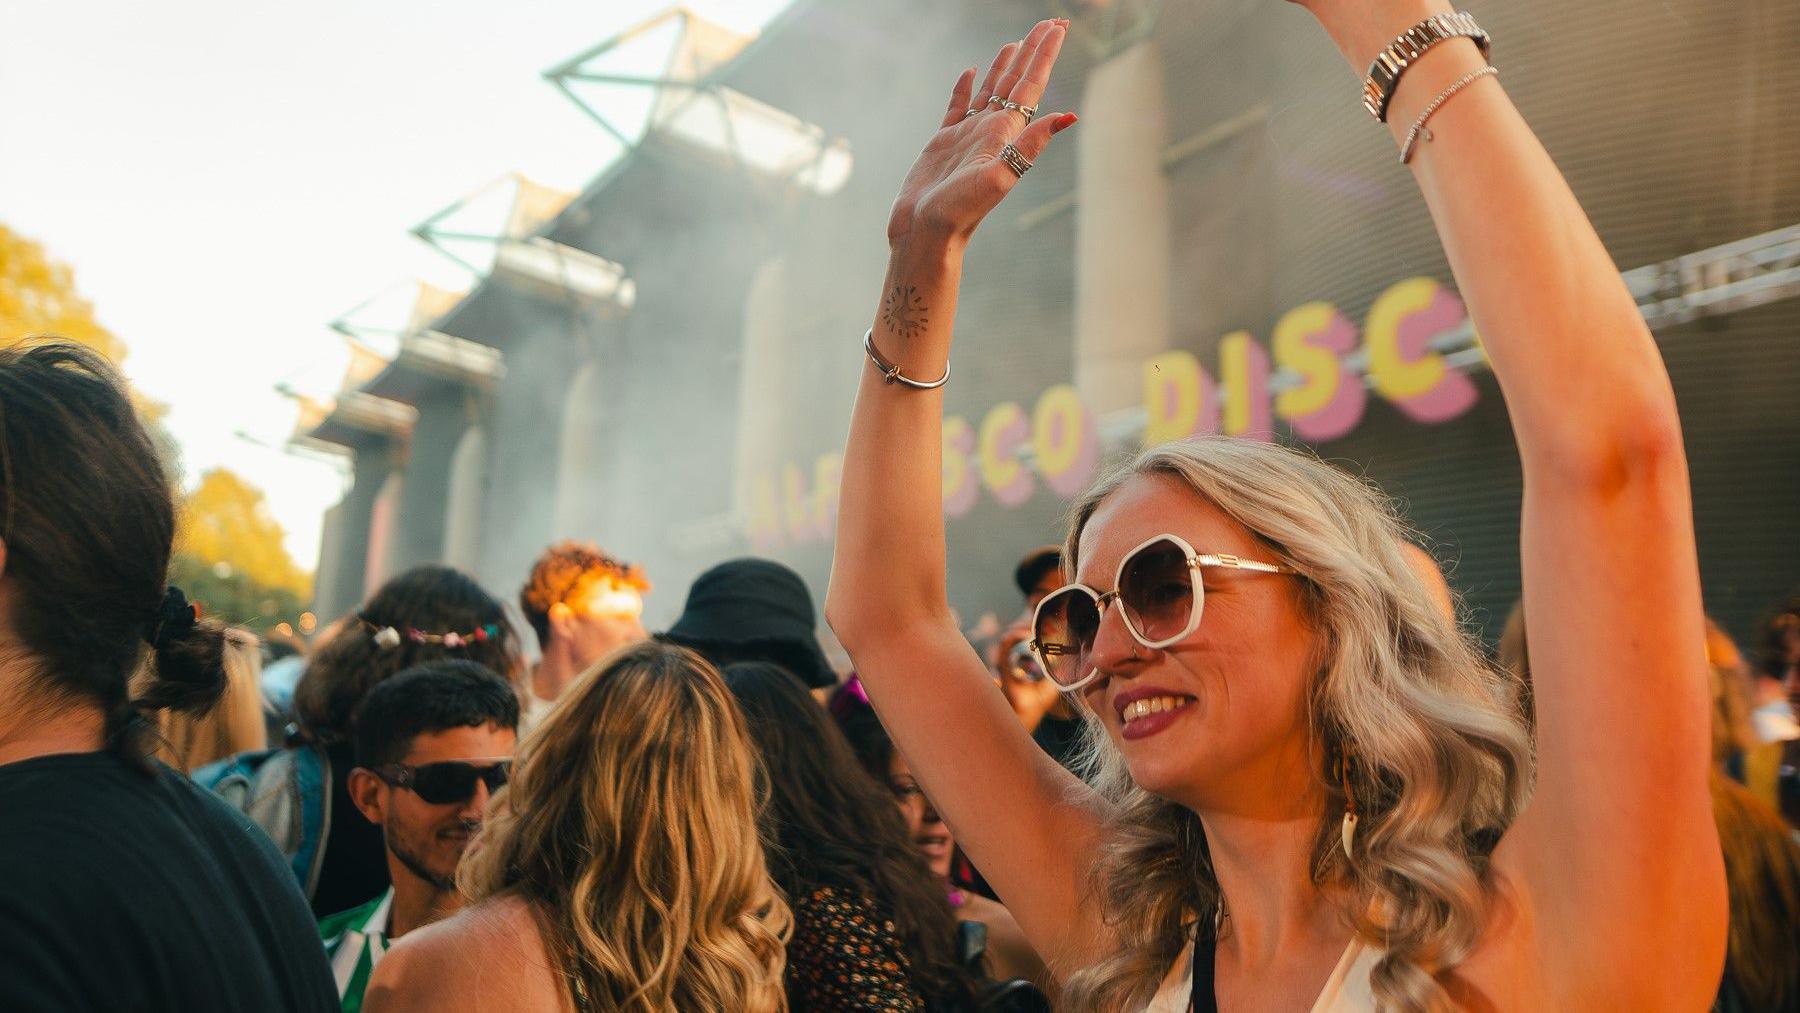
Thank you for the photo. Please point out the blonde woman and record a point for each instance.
(1314, 792)
(188, 742)
(621, 868)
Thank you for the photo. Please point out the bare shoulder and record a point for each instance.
(487, 957)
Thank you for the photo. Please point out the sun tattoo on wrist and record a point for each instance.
(904, 312)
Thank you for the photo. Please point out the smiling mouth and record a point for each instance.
(933, 842)
(1146, 706)
(1146, 716)
(461, 832)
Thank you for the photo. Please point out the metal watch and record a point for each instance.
(1384, 73)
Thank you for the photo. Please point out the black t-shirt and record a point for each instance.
(122, 890)
(354, 868)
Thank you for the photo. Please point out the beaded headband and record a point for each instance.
(387, 637)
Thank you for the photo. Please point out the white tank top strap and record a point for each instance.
(1346, 991)
(1177, 986)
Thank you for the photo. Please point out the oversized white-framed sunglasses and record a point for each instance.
(1160, 595)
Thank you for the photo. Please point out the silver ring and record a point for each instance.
(1015, 160)
(970, 113)
(995, 100)
(1029, 111)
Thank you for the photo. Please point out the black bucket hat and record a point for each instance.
(754, 608)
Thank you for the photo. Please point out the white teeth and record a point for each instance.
(1151, 705)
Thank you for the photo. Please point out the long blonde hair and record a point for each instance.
(234, 725)
(631, 830)
(1440, 756)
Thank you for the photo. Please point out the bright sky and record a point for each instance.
(228, 176)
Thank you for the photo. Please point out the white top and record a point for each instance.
(1346, 991)
(1775, 721)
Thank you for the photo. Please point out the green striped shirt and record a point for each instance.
(355, 940)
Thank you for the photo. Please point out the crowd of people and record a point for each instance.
(1237, 750)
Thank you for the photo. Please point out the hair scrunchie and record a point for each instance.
(174, 618)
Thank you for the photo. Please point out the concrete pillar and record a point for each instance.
(1122, 229)
(325, 578)
(384, 518)
(763, 358)
(468, 494)
(417, 534)
(355, 514)
(580, 482)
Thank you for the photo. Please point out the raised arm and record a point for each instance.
(1003, 798)
(1617, 852)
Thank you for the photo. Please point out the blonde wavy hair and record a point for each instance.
(630, 828)
(1440, 755)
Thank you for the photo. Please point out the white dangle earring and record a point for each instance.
(1350, 819)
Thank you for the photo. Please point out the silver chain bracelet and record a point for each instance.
(1418, 127)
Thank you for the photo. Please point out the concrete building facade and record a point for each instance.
(1225, 243)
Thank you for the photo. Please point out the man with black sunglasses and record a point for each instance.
(432, 745)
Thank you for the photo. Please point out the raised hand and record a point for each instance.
(888, 599)
(960, 176)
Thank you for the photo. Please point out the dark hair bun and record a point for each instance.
(189, 670)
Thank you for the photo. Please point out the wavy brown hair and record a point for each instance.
(1762, 876)
(630, 829)
(1442, 754)
(836, 826)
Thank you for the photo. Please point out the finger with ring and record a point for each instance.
(1002, 60)
(1015, 160)
(1029, 111)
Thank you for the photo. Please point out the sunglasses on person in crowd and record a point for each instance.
(1022, 662)
(1160, 596)
(448, 782)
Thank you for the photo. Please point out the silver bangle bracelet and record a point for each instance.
(890, 372)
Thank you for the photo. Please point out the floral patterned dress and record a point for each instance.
(846, 954)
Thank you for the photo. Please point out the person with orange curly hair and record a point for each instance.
(584, 605)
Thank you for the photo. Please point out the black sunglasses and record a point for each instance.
(448, 782)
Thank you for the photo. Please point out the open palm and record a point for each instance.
(960, 177)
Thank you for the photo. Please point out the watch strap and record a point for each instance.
(1391, 63)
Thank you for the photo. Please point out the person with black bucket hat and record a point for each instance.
(753, 610)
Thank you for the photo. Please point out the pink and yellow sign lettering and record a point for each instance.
(1311, 342)
(1404, 370)
(1065, 442)
(1306, 377)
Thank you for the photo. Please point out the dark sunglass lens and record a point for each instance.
(444, 783)
(1066, 624)
(497, 775)
(1156, 588)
